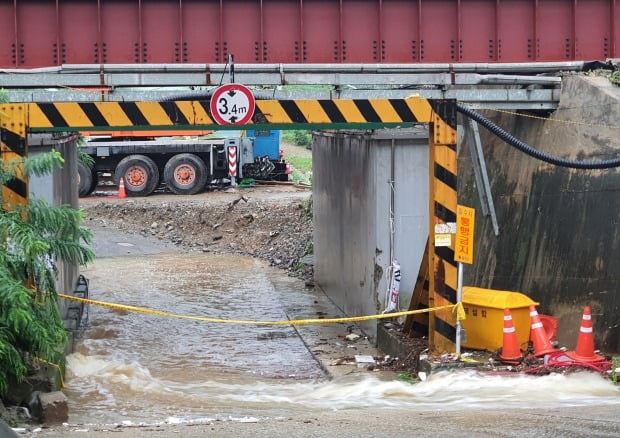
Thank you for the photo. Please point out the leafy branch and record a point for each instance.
(33, 237)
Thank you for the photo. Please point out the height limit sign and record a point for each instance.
(232, 104)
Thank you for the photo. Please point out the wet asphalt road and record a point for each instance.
(591, 421)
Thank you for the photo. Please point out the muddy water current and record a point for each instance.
(142, 368)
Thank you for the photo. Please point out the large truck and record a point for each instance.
(184, 166)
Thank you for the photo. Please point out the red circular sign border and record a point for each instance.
(225, 89)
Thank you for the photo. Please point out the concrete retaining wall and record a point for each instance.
(58, 188)
(351, 198)
(559, 228)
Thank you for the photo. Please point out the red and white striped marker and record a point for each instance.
(232, 161)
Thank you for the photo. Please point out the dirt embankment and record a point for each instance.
(273, 223)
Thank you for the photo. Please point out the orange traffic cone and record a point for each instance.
(584, 352)
(510, 353)
(121, 189)
(538, 335)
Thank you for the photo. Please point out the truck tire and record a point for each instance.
(185, 174)
(139, 173)
(87, 180)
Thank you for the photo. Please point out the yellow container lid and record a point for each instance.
(496, 299)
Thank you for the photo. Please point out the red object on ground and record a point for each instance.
(550, 324)
(121, 189)
(584, 352)
(559, 359)
(510, 353)
(538, 335)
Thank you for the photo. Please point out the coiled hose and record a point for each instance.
(524, 147)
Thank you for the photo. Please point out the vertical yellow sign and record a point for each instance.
(464, 249)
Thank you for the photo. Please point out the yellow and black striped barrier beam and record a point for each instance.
(268, 114)
(443, 202)
(12, 148)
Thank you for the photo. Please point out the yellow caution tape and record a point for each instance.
(62, 382)
(243, 321)
(460, 311)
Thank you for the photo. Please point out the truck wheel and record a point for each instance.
(185, 174)
(139, 173)
(87, 180)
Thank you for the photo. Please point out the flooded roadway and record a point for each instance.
(140, 368)
(151, 367)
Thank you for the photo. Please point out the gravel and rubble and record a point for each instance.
(273, 223)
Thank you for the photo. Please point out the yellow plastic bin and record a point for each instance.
(484, 325)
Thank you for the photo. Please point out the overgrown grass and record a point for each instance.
(297, 137)
(303, 164)
(302, 169)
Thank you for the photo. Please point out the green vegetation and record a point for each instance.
(297, 137)
(612, 76)
(306, 206)
(32, 238)
(302, 169)
(85, 158)
(303, 164)
(615, 365)
(299, 266)
(408, 377)
(4, 96)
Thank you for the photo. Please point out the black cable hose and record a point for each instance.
(207, 96)
(524, 147)
(198, 96)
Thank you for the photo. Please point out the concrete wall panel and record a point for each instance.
(59, 188)
(352, 194)
(343, 202)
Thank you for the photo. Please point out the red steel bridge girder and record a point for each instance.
(40, 33)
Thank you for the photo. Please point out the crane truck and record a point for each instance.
(185, 166)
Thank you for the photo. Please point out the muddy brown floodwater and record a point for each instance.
(142, 367)
(140, 375)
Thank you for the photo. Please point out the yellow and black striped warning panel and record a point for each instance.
(443, 117)
(13, 146)
(330, 114)
(83, 116)
(344, 111)
(443, 201)
(416, 325)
